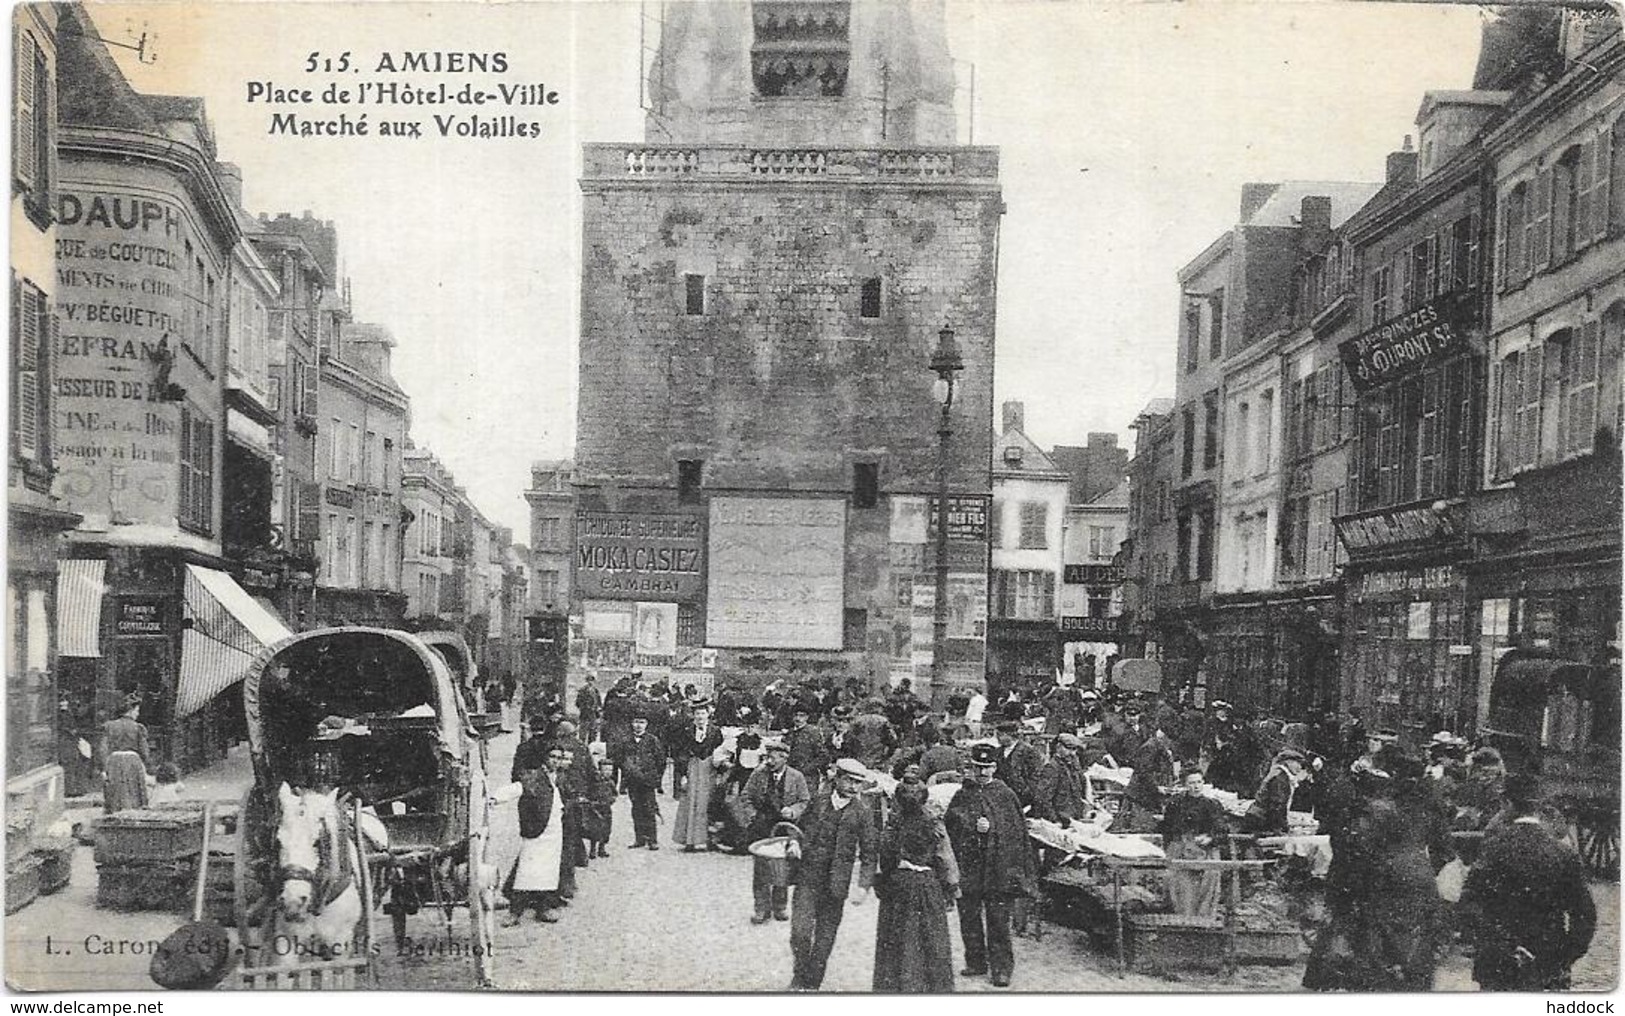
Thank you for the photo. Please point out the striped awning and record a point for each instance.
(228, 628)
(80, 586)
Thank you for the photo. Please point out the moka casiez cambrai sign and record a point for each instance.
(1403, 345)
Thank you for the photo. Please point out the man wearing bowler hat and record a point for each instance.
(837, 829)
(996, 866)
(641, 758)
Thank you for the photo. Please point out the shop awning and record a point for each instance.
(228, 628)
(80, 586)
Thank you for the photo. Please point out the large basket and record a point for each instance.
(773, 866)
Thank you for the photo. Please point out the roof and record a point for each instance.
(1158, 407)
(1286, 203)
(1034, 460)
(1460, 97)
(1117, 497)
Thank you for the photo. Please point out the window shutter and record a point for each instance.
(1598, 227)
(1501, 250)
(1474, 236)
(185, 498)
(1529, 424)
(1446, 247)
(30, 318)
(1540, 226)
(24, 150)
(1581, 390)
(313, 380)
(1581, 226)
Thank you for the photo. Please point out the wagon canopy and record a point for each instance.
(459, 659)
(348, 672)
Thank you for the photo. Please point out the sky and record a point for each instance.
(1125, 130)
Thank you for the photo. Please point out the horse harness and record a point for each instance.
(331, 878)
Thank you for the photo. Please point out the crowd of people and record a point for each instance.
(801, 761)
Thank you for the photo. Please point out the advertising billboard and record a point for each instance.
(775, 573)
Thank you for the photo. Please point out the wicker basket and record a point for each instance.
(773, 863)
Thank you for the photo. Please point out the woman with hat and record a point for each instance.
(694, 749)
(912, 950)
(124, 754)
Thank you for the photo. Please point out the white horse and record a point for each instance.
(319, 907)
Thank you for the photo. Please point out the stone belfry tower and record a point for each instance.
(784, 72)
(764, 277)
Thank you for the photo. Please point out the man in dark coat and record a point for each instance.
(1063, 706)
(590, 705)
(996, 866)
(641, 758)
(1058, 789)
(576, 782)
(1267, 815)
(774, 793)
(837, 829)
(1018, 761)
(871, 739)
(1526, 906)
(936, 757)
(809, 747)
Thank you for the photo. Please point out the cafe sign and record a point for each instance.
(1404, 345)
(1092, 574)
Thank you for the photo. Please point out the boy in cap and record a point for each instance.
(996, 865)
(837, 829)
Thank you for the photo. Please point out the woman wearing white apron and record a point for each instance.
(534, 878)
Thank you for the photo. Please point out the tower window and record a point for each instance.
(865, 484)
(869, 305)
(688, 481)
(694, 294)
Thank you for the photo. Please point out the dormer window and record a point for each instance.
(801, 47)
(1012, 455)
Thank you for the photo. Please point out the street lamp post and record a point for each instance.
(946, 363)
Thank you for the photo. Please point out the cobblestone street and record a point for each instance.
(642, 921)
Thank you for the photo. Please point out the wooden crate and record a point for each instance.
(146, 885)
(1156, 942)
(149, 834)
(329, 975)
(22, 882)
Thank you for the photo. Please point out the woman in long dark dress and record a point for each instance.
(912, 950)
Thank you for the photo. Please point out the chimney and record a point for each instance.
(1315, 221)
(1102, 439)
(1253, 196)
(1015, 417)
(230, 176)
(1402, 164)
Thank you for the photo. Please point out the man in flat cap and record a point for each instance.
(1058, 788)
(1267, 815)
(775, 793)
(838, 829)
(996, 866)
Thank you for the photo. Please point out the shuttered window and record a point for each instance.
(1580, 392)
(30, 334)
(1034, 525)
(33, 113)
(196, 472)
(1539, 231)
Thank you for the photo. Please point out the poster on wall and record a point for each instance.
(656, 629)
(776, 573)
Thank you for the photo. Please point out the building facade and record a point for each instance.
(552, 535)
(1026, 530)
(756, 434)
(1547, 580)
(36, 783)
(150, 614)
(1093, 570)
(1416, 368)
(359, 464)
(1151, 548)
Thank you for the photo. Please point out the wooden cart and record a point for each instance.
(409, 758)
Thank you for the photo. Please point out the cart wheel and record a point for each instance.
(481, 915)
